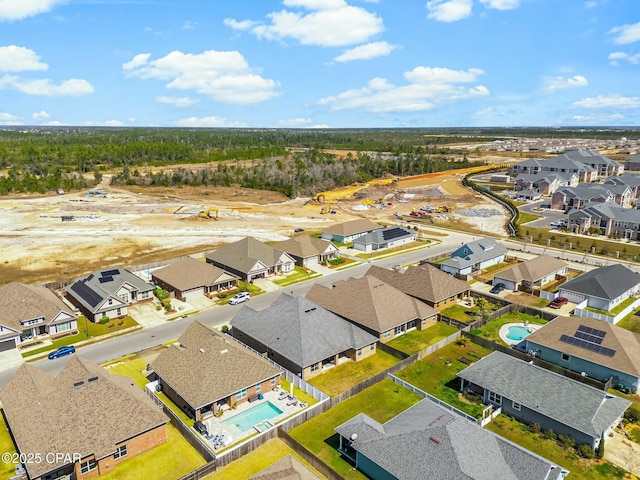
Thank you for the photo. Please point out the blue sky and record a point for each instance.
(320, 63)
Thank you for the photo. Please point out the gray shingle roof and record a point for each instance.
(383, 235)
(301, 330)
(208, 366)
(244, 254)
(27, 302)
(476, 252)
(428, 442)
(51, 414)
(532, 270)
(352, 227)
(607, 210)
(605, 282)
(189, 273)
(566, 401)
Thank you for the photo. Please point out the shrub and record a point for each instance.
(161, 294)
(566, 441)
(585, 451)
(550, 435)
(600, 449)
(224, 329)
(336, 261)
(103, 320)
(535, 427)
(633, 413)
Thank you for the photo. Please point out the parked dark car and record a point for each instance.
(497, 288)
(558, 302)
(200, 427)
(298, 230)
(62, 351)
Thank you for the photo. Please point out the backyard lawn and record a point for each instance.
(464, 313)
(580, 468)
(631, 322)
(342, 377)
(168, 461)
(491, 330)
(436, 374)
(381, 402)
(7, 469)
(257, 460)
(134, 368)
(418, 340)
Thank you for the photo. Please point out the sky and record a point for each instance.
(320, 63)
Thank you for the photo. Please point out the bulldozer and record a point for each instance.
(209, 213)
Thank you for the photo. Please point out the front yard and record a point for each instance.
(299, 275)
(381, 402)
(7, 469)
(491, 330)
(417, 340)
(436, 374)
(342, 377)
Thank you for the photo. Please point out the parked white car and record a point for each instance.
(239, 298)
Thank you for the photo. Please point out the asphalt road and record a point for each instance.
(547, 215)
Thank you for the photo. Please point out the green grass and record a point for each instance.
(418, 340)
(299, 394)
(381, 402)
(342, 377)
(256, 460)
(630, 322)
(300, 275)
(634, 433)
(84, 327)
(436, 374)
(409, 247)
(491, 330)
(168, 461)
(135, 369)
(580, 468)
(466, 314)
(527, 217)
(7, 469)
(614, 311)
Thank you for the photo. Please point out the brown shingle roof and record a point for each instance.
(287, 468)
(625, 343)
(424, 282)
(209, 366)
(370, 302)
(26, 302)
(533, 269)
(303, 246)
(189, 273)
(47, 414)
(352, 227)
(243, 254)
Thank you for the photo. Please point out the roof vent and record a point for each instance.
(224, 351)
(79, 384)
(434, 439)
(93, 379)
(309, 309)
(201, 350)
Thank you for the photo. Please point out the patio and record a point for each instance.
(222, 433)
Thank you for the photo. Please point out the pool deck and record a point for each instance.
(504, 330)
(231, 434)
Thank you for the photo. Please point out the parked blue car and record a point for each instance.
(62, 351)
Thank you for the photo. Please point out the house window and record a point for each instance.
(241, 394)
(359, 353)
(565, 357)
(88, 466)
(63, 327)
(387, 334)
(119, 312)
(120, 452)
(111, 301)
(516, 406)
(258, 388)
(315, 367)
(273, 382)
(371, 347)
(495, 398)
(144, 295)
(399, 330)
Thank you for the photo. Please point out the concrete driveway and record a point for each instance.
(622, 452)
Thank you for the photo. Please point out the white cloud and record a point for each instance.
(608, 101)
(294, 123)
(73, 87)
(615, 56)
(366, 52)
(449, 10)
(427, 88)
(178, 102)
(330, 23)
(561, 83)
(590, 4)
(501, 4)
(8, 119)
(41, 115)
(224, 76)
(19, 9)
(107, 123)
(597, 119)
(189, 25)
(212, 121)
(19, 59)
(131, 119)
(626, 34)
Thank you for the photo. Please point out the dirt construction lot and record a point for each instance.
(57, 237)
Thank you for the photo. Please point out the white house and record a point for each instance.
(474, 256)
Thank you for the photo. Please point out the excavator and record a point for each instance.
(209, 213)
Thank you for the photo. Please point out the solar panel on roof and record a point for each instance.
(592, 331)
(86, 294)
(105, 279)
(580, 340)
(393, 233)
(110, 273)
(588, 337)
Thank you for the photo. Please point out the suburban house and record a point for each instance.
(569, 198)
(190, 278)
(250, 259)
(631, 180)
(473, 257)
(426, 283)
(108, 293)
(287, 468)
(592, 347)
(603, 288)
(303, 337)
(427, 441)
(307, 250)
(95, 419)
(609, 218)
(375, 306)
(207, 371)
(30, 312)
(384, 238)
(531, 274)
(632, 163)
(544, 183)
(532, 394)
(348, 231)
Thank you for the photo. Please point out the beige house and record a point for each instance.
(375, 306)
(306, 250)
(206, 371)
(94, 419)
(534, 273)
(190, 278)
(348, 231)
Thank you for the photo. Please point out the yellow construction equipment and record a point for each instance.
(209, 213)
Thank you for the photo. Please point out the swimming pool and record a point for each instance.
(246, 420)
(517, 332)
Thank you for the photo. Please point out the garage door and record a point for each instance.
(7, 345)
